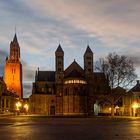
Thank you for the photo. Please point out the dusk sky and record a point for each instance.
(106, 25)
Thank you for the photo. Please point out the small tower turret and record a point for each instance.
(59, 64)
(88, 68)
(88, 62)
(59, 75)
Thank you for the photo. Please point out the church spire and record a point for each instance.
(88, 50)
(15, 39)
(59, 49)
(14, 49)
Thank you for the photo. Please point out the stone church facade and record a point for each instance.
(70, 91)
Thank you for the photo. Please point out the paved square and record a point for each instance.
(44, 128)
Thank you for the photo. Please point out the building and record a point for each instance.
(3, 89)
(13, 69)
(70, 91)
(131, 101)
(7, 98)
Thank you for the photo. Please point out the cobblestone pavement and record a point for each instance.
(45, 128)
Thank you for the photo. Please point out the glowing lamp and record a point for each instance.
(135, 105)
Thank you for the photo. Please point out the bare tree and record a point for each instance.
(120, 72)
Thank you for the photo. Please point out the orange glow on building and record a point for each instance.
(13, 69)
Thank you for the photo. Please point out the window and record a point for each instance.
(75, 91)
(59, 69)
(66, 91)
(43, 89)
(88, 58)
(13, 70)
(2, 103)
(75, 82)
(89, 70)
(60, 57)
(52, 101)
(59, 62)
(50, 91)
(89, 63)
(7, 103)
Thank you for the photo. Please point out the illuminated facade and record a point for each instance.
(131, 101)
(7, 98)
(67, 92)
(13, 69)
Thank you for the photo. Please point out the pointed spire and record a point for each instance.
(15, 39)
(88, 50)
(59, 49)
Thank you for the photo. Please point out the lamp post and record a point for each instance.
(26, 107)
(18, 105)
(135, 106)
(117, 110)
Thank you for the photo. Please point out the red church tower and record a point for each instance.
(13, 69)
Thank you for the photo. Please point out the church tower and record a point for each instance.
(59, 75)
(13, 69)
(88, 63)
(88, 68)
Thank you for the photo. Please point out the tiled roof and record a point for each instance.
(74, 74)
(74, 70)
(136, 88)
(48, 76)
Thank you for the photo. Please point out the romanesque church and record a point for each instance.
(70, 91)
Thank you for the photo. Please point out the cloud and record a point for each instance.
(28, 78)
(84, 20)
(108, 26)
(136, 60)
(28, 72)
(92, 17)
(3, 55)
(27, 90)
(88, 20)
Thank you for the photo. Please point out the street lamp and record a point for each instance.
(18, 105)
(135, 106)
(117, 109)
(26, 107)
(110, 109)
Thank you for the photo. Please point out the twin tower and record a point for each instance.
(59, 63)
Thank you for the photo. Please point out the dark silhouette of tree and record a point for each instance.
(120, 72)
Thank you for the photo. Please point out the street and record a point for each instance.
(57, 128)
